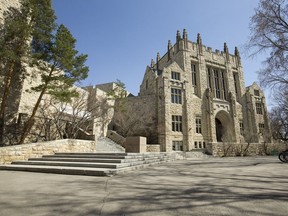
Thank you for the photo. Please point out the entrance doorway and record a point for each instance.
(219, 130)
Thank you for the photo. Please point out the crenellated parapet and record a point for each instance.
(196, 50)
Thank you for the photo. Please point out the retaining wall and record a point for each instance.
(253, 149)
(36, 150)
(153, 148)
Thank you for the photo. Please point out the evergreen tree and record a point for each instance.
(14, 34)
(30, 36)
(61, 67)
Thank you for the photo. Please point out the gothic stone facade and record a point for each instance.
(193, 96)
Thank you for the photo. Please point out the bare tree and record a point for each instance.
(227, 143)
(279, 117)
(75, 119)
(269, 31)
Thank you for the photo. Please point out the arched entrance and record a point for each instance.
(219, 130)
(223, 127)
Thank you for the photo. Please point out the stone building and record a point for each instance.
(5, 4)
(193, 96)
(21, 99)
(189, 98)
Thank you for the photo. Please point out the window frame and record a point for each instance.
(176, 95)
(261, 127)
(259, 108)
(198, 125)
(177, 145)
(256, 92)
(241, 125)
(175, 75)
(177, 123)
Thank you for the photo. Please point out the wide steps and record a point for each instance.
(94, 164)
(58, 170)
(71, 164)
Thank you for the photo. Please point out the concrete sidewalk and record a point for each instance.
(215, 186)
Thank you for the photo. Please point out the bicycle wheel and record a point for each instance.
(283, 156)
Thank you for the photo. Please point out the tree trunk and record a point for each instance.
(6, 92)
(29, 124)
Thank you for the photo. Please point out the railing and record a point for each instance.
(113, 135)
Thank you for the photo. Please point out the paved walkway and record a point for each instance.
(216, 186)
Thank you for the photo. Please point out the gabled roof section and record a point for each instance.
(254, 86)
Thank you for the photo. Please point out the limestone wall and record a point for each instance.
(36, 150)
(5, 4)
(233, 149)
(153, 148)
(136, 116)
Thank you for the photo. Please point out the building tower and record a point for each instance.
(198, 98)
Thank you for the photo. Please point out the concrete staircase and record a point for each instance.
(91, 164)
(105, 144)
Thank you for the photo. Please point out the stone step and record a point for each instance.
(59, 170)
(95, 160)
(100, 164)
(94, 153)
(113, 154)
(135, 167)
(87, 156)
(71, 164)
(88, 160)
(104, 155)
(91, 164)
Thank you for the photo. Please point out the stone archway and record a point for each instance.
(219, 130)
(223, 127)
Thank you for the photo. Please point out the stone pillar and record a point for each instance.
(136, 144)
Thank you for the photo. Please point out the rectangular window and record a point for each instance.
(194, 77)
(223, 85)
(195, 145)
(217, 84)
(261, 128)
(175, 75)
(198, 125)
(193, 69)
(204, 145)
(176, 96)
(256, 92)
(258, 108)
(241, 128)
(235, 77)
(209, 79)
(177, 145)
(200, 145)
(176, 123)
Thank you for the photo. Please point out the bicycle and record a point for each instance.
(283, 156)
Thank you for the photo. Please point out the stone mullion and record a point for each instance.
(212, 80)
(187, 134)
(221, 87)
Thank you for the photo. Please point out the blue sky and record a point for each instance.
(122, 36)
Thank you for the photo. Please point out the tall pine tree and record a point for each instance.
(14, 34)
(30, 36)
(61, 67)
